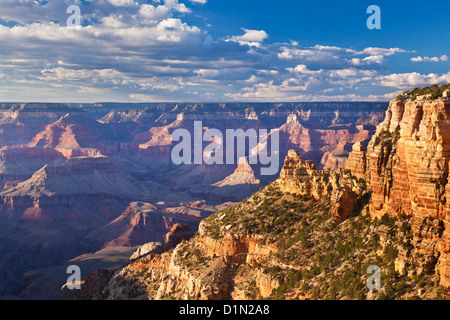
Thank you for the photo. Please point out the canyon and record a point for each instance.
(79, 179)
(312, 232)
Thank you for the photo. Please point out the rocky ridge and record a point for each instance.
(279, 245)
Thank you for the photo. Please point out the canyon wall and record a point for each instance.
(406, 166)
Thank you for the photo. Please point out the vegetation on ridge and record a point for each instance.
(313, 257)
(434, 91)
(318, 260)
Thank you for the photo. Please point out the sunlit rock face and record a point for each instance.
(406, 167)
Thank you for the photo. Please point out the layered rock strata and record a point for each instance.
(356, 162)
(345, 201)
(406, 167)
(302, 177)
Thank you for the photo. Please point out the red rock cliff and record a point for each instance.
(406, 166)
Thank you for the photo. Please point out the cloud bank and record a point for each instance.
(130, 50)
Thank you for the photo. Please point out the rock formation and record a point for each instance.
(71, 171)
(143, 222)
(302, 177)
(71, 135)
(406, 167)
(177, 234)
(146, 249)
(243, 177)
(356, 162)
(344, 203)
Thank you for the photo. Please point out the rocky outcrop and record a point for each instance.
(177, 234)
(302, 177)
(406, 167)
(234, 247)
(146, 249)
(356, 162)
(344, 203)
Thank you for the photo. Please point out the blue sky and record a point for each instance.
(220, 50)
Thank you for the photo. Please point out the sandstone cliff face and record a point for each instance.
(407, 166)
(356, 162)
(146, 249)
(182, 274)
(345, 201)
(233, 247)
(302, 177)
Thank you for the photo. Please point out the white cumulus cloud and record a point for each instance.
(430, 59)
(412, 79)
(252, 38)
(121, 3)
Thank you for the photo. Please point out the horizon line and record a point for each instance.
(199, 102)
